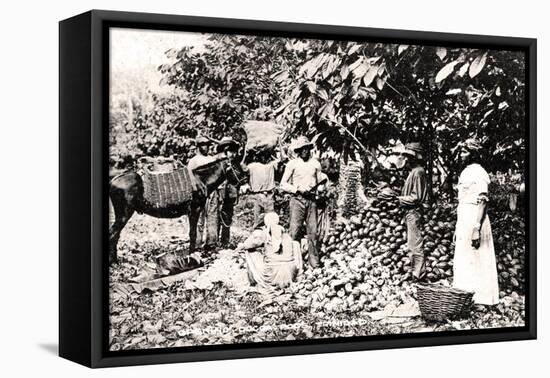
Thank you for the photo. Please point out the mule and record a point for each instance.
(126, 194)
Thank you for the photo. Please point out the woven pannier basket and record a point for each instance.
(440, 303)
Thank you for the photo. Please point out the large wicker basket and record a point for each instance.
(440, 303)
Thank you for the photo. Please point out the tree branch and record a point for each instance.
(365, 149)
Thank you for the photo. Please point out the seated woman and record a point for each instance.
(280, 262)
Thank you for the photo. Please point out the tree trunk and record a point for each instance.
(350, 188)
(430, 159)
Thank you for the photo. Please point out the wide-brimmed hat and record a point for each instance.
(201, 140)
(226, 142)
(301, 142)
(412, 149)
(416, 149)
(398, 150)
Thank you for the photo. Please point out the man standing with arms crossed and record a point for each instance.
(301, 178)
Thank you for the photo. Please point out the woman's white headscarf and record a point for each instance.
(274, 231)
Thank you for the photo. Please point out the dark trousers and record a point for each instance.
(305, 210)
(226, 218)
(212, 224)
(415, 243)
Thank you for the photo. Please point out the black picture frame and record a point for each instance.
(83, 122)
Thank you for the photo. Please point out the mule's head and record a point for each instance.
(233, 172)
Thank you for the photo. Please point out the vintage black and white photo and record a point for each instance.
(267, 189)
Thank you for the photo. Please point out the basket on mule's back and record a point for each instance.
(162, 190)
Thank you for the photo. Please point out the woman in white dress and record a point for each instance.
(474, 267)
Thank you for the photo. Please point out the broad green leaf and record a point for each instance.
(370, 75)
(454, 91)
(354, 49)
(463, 69)
(380, 82)
(344, 72)
(487, 114)
(280, 76)
(332, 63)
(322, 93)
(503, 105)
(441, 52)
(356, 64)
(311, 86)
(374, 59)
(322, 59)
(310, 68)
(381, 69)
(445, 71)
(477, 65)
(361, 70)
(401, 48)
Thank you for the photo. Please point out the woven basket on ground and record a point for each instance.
(440, 303)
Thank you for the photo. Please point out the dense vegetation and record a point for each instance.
(356, 98)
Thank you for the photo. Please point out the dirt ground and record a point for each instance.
(216, 305)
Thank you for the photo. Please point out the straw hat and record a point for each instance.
(415, 149)
(202, 141)
(411, 149)
(226, 142)
(301, 143)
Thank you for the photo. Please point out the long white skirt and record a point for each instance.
(475, 269)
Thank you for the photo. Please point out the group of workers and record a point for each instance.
(215, 221)
(474, 265)
(303, 179)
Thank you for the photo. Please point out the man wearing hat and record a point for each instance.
(228, 147)
(413, 195)
(201, 158)
(301, 178)
(221, 203)
(261, 180)
(228, 193)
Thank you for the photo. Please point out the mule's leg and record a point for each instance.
(194, 214)
(123, 212)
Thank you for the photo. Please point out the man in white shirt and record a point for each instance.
(301, 178)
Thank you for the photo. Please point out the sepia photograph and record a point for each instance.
(269, 189)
